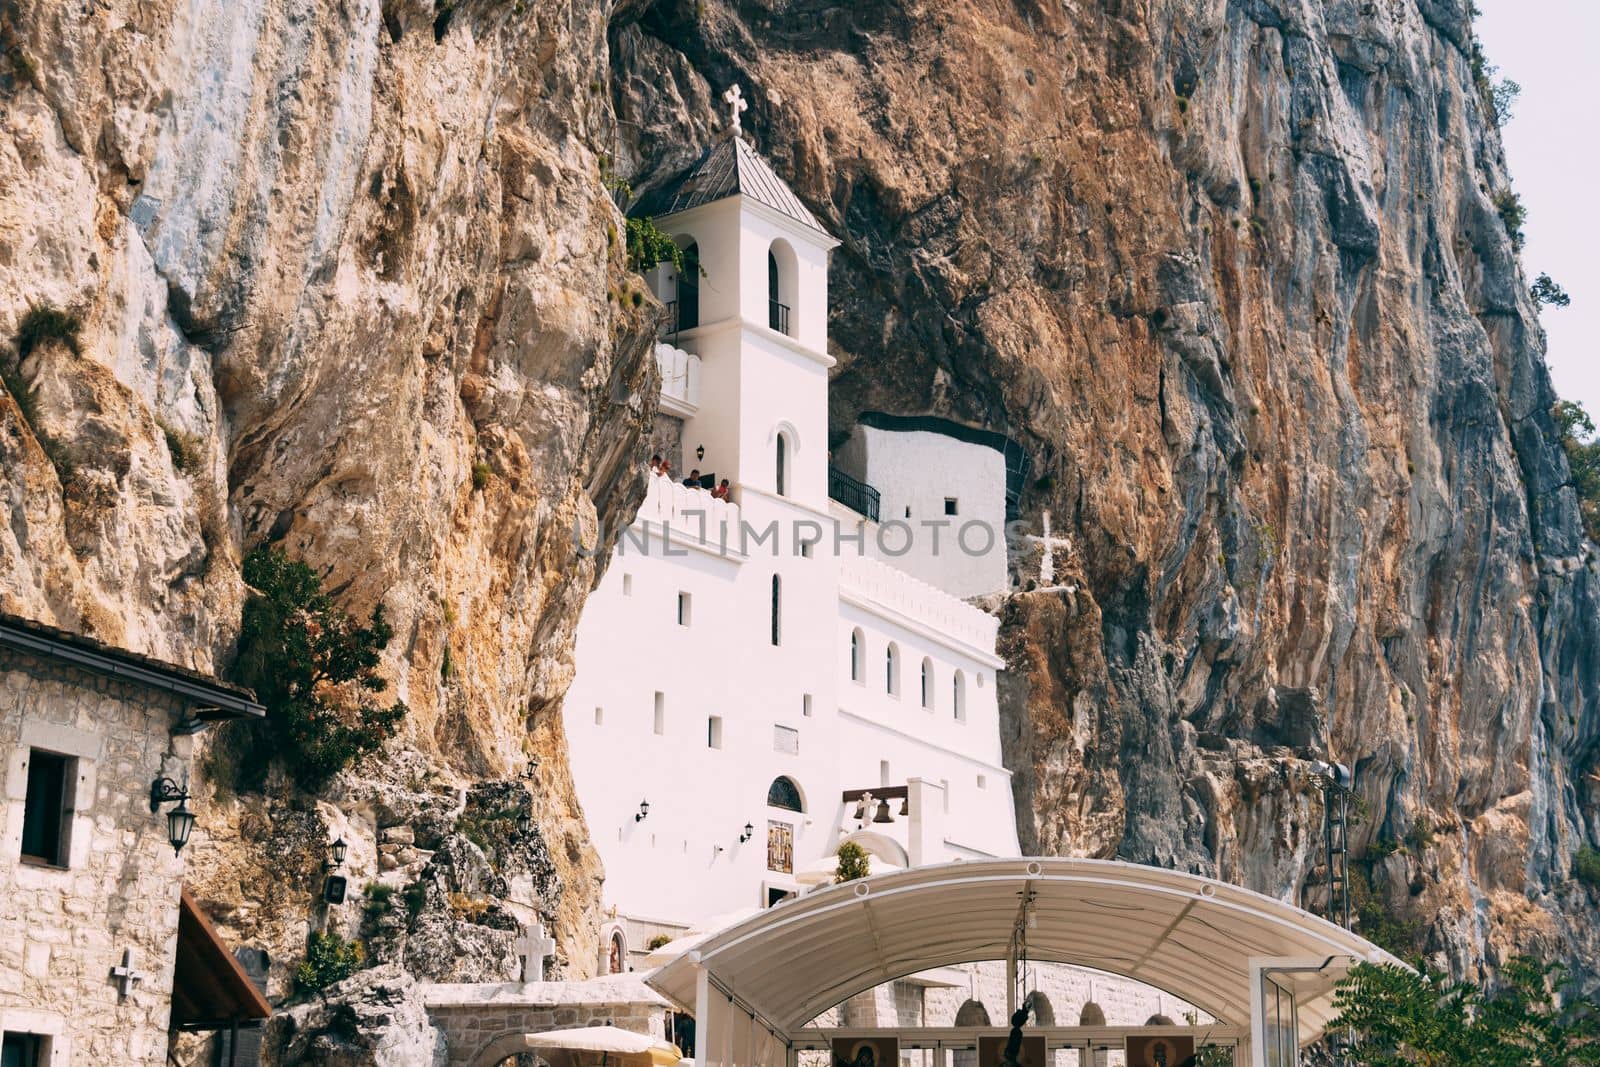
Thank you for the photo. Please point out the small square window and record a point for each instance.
(983, 781)
(950, 507)
(805, 549)
(714, 732)
(685, 606)
(46, 813)
(25, 1050)
(627, 584)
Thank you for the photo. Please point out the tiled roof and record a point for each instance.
(215, 699)
(729, 168)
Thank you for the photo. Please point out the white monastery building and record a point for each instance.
(777, 655)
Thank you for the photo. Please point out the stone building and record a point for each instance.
(90, 880)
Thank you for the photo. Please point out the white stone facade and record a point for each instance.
(63, 929)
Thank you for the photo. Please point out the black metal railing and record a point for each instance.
(778, 316)
(856, 495)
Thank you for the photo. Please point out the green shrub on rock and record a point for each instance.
(329, 959)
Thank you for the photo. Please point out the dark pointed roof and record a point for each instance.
(729, 168)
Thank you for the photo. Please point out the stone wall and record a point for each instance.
(63, 929)
(475, 1017)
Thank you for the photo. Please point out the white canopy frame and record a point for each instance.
(756, 983)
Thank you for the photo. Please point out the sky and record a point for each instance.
(1549, 47)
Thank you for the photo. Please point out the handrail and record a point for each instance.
(778, 316)
(854, 494)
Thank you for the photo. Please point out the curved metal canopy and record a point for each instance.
(1190, 936)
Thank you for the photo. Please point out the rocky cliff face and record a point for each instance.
(349, 282)
(1235, 275)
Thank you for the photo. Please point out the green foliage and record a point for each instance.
(1512, 213)
(1400, 1017)
(329, 959)
(46, 322)
(480, 476)
(1421, 836)
(658, 941)
(1375, 922)
(1575, 431)
(1546, 293)
(1586, 867)
(649, 246)
(314, 668)
(376, 899)
(185, 449)
(416, 897)
(853, 863)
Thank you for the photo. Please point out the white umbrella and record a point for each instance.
(624, 1047)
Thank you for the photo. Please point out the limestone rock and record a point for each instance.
(374, 1018)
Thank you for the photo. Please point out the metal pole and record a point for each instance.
(233, 1043)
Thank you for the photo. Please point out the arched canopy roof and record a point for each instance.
(1193, 937)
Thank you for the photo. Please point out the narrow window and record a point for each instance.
(805, 705)
(884, 777)
(927, 683)
(599, 716)
(46, 817)
(891, 670)
(683, 609)
(714, 732)
(661, 714)
(950, 505)
(777, 608)
(958, 687)
(627, 584)
(783, 465)
(983, 782)
(689, 288)
(856, 652)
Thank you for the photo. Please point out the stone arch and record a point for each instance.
(972, 1013)
(1044, 1013)
(783, 287)
(1092, 1014)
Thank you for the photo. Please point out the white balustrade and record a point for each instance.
(882, 584)
(680, 379)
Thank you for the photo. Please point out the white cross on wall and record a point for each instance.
(534, 948)
(125, 974)
(736, 106)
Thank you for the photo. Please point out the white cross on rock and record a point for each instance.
(534, 948)
(125, 975)
(737, 105)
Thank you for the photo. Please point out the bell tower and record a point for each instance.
(755, 315)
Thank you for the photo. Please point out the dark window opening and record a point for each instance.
(45, 817)
(777, 608)
(689, 288)
(783, 793)
(949, 505)
(777, 311)
(783, 465)
(22, 1050)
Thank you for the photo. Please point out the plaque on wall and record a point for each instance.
(992, 1050)
(866, 1052)
(780, 847)
(1162, 1051)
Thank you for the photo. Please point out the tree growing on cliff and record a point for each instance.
(1575, 430)
(1546, 293)
(314, 668)
(1533, 1018)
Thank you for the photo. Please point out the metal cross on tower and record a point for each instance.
(737, 105)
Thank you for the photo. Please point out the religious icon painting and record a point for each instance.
(780, 847)
(1164, 1051)
(866, 1052)
(992, 1050)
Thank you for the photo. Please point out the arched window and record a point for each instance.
(891, 670)
(783, 793)
(782, 473)
(1044, 1013)
(689, 288)
(777, 608)
(857, 650)
(958, 694)
(782, 272)
(617, 954)
(927, 683)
